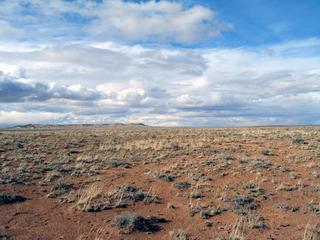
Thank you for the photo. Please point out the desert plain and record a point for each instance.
(138, 182)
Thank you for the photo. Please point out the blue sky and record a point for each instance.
(258, 22)
(168, 63)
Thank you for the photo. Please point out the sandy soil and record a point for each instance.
(207, 183)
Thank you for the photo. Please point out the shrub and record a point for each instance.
(7, 199)
(59, 188)
(131, 222)
(182, 185)
(242, 204)
(298, 140)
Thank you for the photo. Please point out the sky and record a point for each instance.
(161, 63)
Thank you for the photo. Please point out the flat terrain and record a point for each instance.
(138, 182)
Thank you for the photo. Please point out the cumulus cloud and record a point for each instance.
(157, 21)
(105, 66)
(14, 89)
(147, 21)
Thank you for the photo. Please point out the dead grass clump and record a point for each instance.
(255, 221)
(100, 233)
(86, 197)
(237, 230)
(205, 212)
(287, 187)
(312, 232)
(179, 235)
(128, 193)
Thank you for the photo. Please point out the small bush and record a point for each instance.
(182, 185)
(298, 140)
(267, 152)
(164, 177)
(59, 188)
(131, 222)
(8, 199)
(131, 193)
(243, 204)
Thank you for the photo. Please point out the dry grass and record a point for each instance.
(237, 230)
(312, 232)
(87, 195)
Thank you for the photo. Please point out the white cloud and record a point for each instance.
(146, 21)
(186, 100)
(131, 96)
(124, 83)
(161, 21)
(19, 89)
(15, 118)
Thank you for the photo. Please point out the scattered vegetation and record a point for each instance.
(214, 183)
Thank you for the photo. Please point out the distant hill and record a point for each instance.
(35, 126)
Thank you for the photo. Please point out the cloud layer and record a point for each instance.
(162, 86)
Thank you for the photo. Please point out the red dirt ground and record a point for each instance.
(219, 163)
